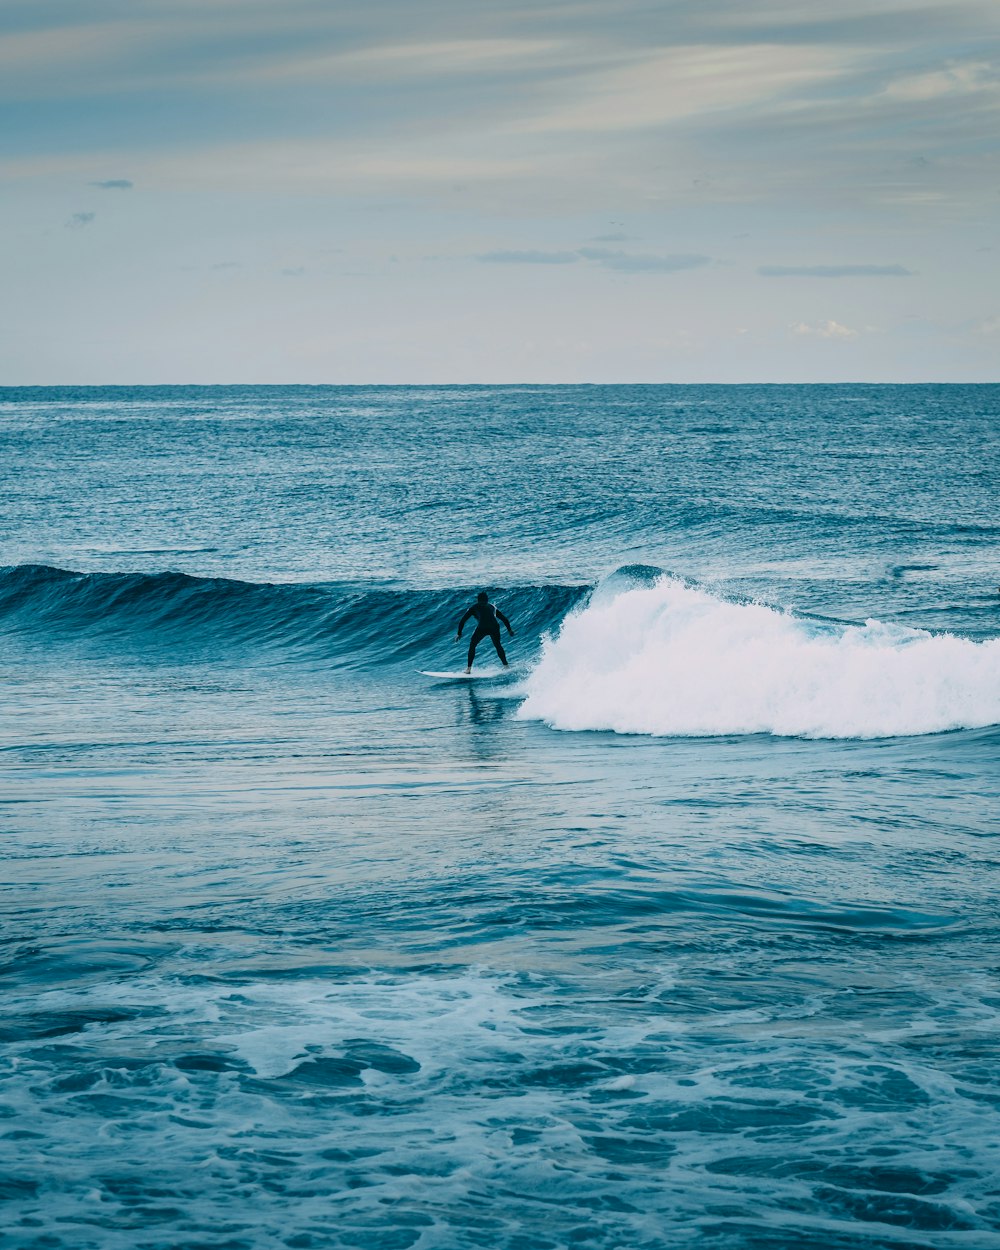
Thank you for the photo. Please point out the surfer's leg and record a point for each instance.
(477, 636)
(495, 638)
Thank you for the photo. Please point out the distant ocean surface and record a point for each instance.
(683, 932)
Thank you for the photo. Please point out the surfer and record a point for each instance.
(487, 626)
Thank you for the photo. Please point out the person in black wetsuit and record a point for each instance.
(487, 626)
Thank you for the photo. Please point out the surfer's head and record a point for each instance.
(482, 596)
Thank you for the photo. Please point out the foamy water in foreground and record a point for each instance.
(683, 933)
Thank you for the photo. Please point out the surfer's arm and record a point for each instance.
(505, 621)
(461, 623)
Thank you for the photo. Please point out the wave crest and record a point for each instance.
(175, 616)
(670, 659)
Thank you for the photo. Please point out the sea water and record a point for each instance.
(683, 932)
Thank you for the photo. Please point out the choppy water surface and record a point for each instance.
(682, 933)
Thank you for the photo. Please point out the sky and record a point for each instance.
(463, 191)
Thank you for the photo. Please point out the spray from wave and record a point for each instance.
(668, 659)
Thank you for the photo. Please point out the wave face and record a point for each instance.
(658, 656)
(172, 615)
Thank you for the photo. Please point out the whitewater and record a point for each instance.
(682, 932)
(673, 659)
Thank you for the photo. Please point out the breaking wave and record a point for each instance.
(655, 655)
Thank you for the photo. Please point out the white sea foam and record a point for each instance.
(670, 659)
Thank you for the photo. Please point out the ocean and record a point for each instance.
(683, 931)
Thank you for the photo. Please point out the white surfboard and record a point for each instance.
(462, 675)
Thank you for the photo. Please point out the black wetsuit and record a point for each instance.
(486, 627)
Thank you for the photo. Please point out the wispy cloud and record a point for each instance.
(788, 101)
(824, 330)
(686, 81)
(79, 220)
(834, 271)
(625, 262)
(457, 58)
(640, 262)
(114, 184)
(955, 78)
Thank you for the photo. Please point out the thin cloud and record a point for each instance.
(460, 58)
(788, 99)
(79, 220)
(953, 79)
(834, 271)
(760, 86)
(624, 262)
(686, 81)
(824, 330)
(639, 262)
(114, 184)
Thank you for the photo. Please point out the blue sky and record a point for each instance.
(462, 191)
